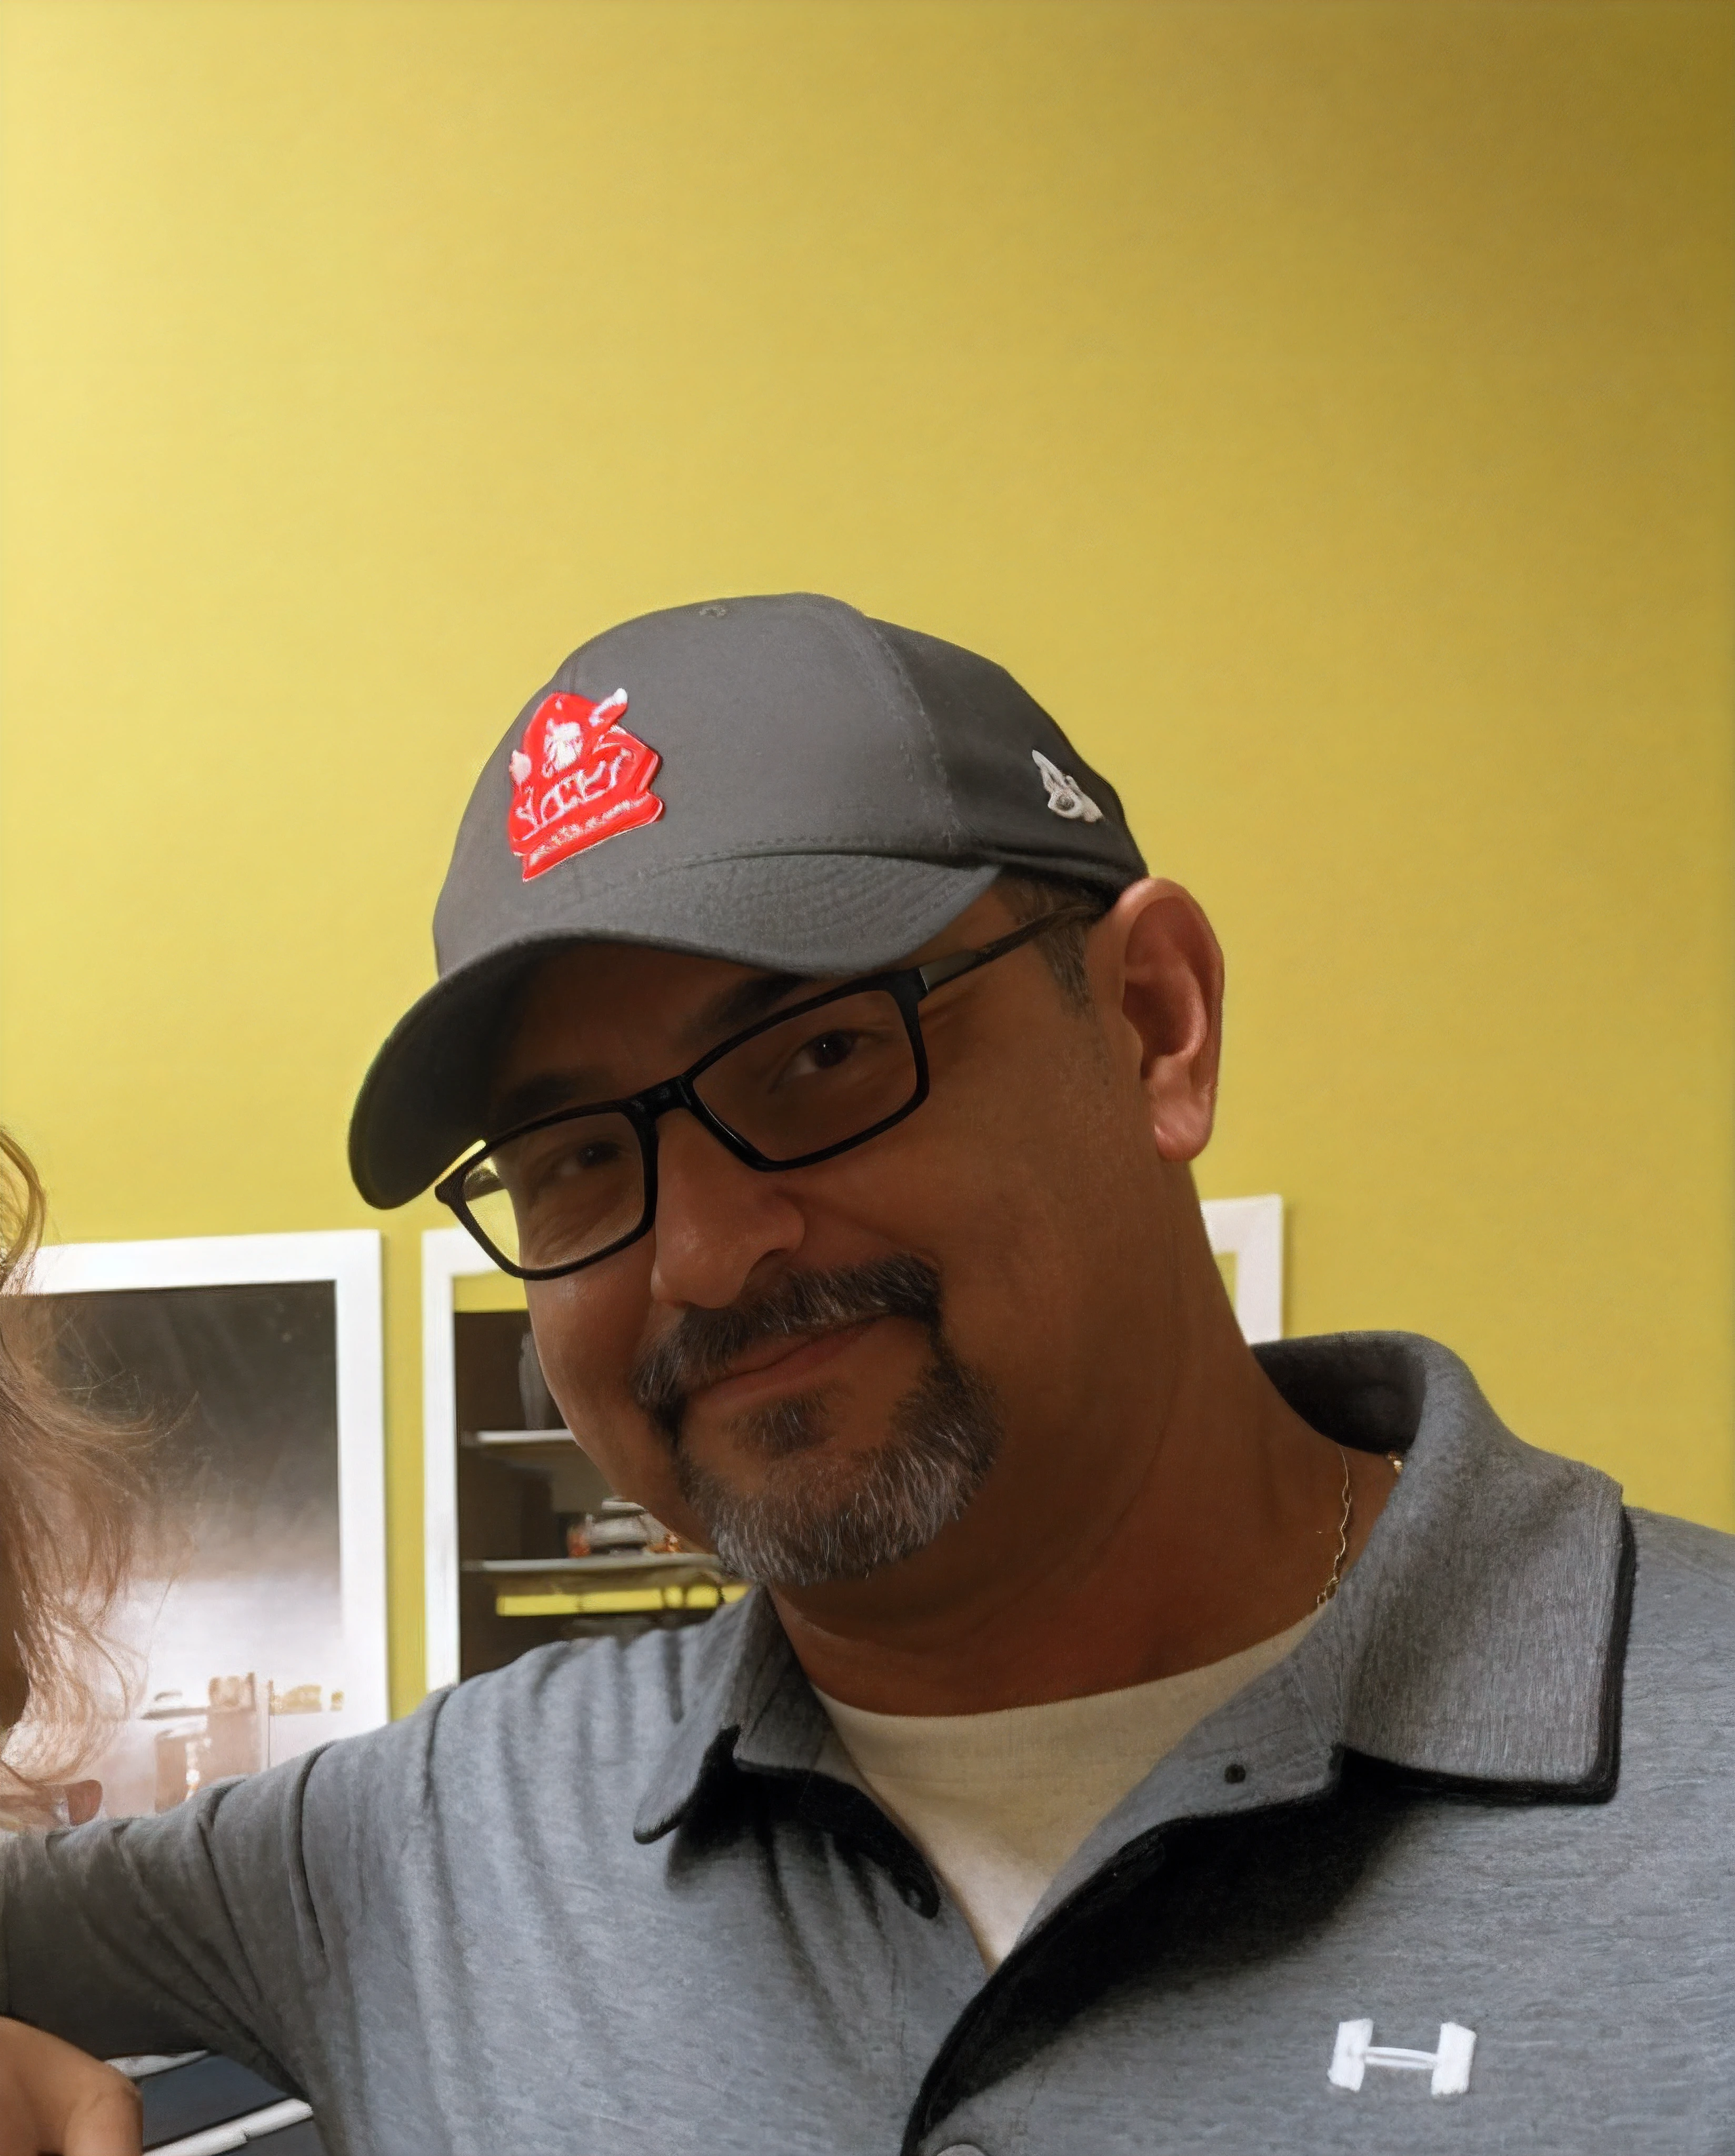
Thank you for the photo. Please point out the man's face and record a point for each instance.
(828, 1370)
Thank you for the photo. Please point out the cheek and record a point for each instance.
(1021, 1194)
(982, 1165)
(588, 1330)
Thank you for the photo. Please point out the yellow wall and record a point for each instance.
(1323, 407)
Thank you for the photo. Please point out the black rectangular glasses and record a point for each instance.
(571, 1187)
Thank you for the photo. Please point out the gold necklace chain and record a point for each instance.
(1395, 1460)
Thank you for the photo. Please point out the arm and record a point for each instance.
(52, 2096)
(224, 1924)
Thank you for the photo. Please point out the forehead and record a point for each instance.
(607, 991)
(602, 1019)
(597, 1019)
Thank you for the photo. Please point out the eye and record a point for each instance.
(581, 1156)
(542, 1171)
(827, 1050)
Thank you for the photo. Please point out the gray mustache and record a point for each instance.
(701, 1345)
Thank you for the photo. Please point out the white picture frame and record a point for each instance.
(1249, 1229)
(350, 1259)
(448, 1255)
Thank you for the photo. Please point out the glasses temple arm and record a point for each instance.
(939, 971)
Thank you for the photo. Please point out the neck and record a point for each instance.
(1199, 1515)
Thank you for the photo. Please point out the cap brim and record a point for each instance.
(425, 1099)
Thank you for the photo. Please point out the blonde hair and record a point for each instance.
(72, 1489)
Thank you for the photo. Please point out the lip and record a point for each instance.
(776, 1366)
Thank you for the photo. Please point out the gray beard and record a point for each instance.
(820, 1516)
(817, 1518)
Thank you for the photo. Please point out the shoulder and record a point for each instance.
(590, 1720)
(1684, 1592)
(576, 1711)
(586, 1705)
(1678, 1686)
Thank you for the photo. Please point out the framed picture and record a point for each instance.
(256, 1360)
(500, 1476)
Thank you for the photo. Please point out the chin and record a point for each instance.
(822, 1509)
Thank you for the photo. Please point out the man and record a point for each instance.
(1123, 1753)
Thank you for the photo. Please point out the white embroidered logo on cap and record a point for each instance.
(1448, 2065)
(1066, 796)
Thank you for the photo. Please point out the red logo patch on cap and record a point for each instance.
(577, 779)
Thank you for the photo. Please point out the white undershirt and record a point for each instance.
(997, 1803)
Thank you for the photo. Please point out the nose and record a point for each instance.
(718, 1219)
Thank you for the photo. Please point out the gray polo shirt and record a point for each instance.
(602, 1900)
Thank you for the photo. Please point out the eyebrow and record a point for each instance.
(729, 1011)
(541, 1096)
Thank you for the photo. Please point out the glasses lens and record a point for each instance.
(815, 1080)
(558, 1195)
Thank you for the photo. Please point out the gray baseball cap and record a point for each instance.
(781, 782)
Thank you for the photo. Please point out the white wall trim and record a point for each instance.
(350, 1259)
(1251, 1229)
(448, 1254)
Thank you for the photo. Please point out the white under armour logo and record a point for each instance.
(1066, 796)
(1449, 2066)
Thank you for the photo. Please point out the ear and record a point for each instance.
(1155, 961)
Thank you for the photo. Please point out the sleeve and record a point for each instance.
(229, 1923)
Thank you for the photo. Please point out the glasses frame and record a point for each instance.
(908, 986)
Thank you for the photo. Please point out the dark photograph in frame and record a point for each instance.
(233, 1655)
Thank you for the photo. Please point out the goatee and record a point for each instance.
(820, 1515)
